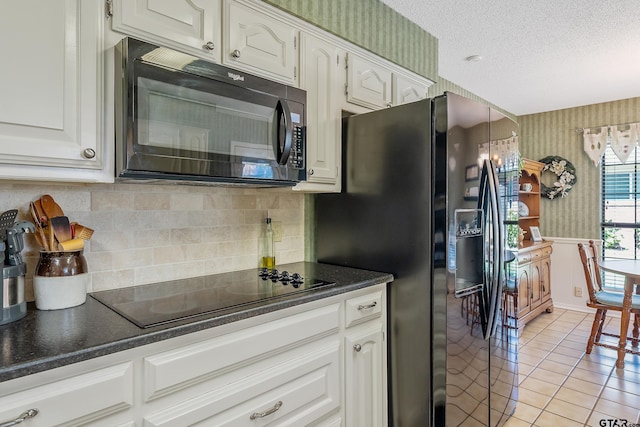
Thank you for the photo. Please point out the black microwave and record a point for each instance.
(185, 119)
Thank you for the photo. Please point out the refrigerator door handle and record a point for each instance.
(490, 199)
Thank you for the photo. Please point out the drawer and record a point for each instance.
(363, 308)
(295, 392)
(524, 258)
(81, 399)
(182, 367)
(536, 255)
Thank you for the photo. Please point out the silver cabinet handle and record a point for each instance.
(209, 46)
(311, 172)
(357, 347)
(235, 54)
(277, 406)
(23, 416)
(368, 306)
(88, 153)
(389, 105)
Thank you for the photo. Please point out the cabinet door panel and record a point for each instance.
(545, 279)
(193, 25)
(406, 90)
(524, 294)
(319, 78)
(257, 43)
(535, 284)
(364, 380)
(368, 84)
(50, 114)
(292, 393)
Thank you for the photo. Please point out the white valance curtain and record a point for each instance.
(622, 139)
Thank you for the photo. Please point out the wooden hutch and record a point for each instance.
(534, 258)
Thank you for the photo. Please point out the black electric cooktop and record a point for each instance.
(159, 303)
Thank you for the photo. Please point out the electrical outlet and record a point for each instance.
(276, 226)
(577, 291)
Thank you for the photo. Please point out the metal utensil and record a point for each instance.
(7, 219)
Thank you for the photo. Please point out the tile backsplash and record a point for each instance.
(146, 233)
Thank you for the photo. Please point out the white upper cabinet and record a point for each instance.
(321, 76)
(368, 84)
(192, 26)
(259, 43)
(407, 90)
(51, 123)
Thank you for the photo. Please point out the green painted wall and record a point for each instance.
(554, 133)
(372, 25)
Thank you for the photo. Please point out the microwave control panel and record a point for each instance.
(296, 158)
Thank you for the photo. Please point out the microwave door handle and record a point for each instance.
(282, 150)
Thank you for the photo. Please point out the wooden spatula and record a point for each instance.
(50, 207)
(61, 228)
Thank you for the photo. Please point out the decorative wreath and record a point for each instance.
(566, 173)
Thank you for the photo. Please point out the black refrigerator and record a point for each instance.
(430, 194)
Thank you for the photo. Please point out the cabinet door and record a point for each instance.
(319, 76)
(545, 279)
(368, 84)
(188, 25)
(259, 43)
(364, 372)
(535, 284)
(51, 86)
(407, 90)
(524, 286)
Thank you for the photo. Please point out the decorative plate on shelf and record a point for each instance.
(523, 209)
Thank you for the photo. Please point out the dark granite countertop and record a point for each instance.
(45, 340)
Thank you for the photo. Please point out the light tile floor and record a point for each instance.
(561, 385)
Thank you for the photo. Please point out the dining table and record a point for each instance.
(630, 269)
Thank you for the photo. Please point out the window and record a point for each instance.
(620, 226)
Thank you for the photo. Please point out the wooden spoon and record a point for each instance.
(40, 236)
(50, 207)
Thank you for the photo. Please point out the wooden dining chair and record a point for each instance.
(604, 300)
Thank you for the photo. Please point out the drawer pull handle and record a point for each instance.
(357, 347)
(209, 46)
(256, 415)
(22, 417)
(368, 306)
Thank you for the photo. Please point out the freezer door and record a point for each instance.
(493, 249)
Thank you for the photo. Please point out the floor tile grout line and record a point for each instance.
(578, 324)
(566, 377)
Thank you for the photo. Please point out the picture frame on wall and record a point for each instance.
(535, 234)
(471, 173)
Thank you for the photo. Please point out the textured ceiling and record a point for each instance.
(538, 56)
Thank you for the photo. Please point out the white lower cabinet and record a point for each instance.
(86, 399)
(365, 361)
(298, 366)
(293, 391)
